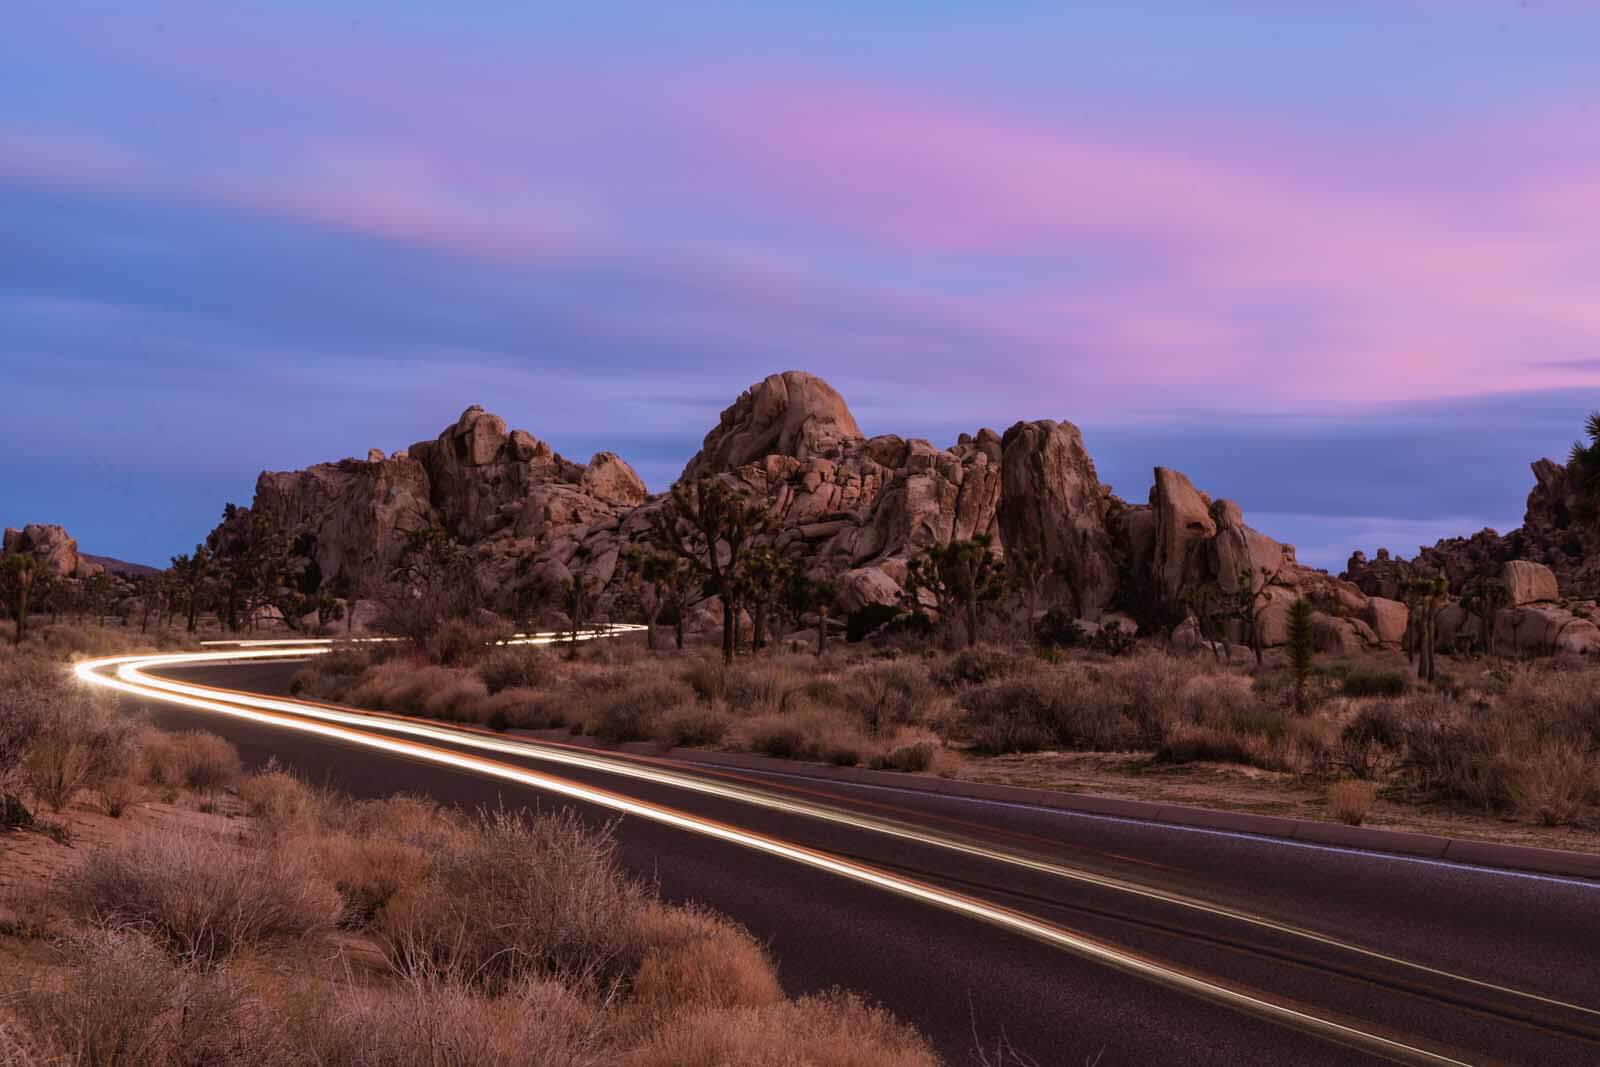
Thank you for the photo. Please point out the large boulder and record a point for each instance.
(1183, 527)
(609, 479)
(1388, 619)
(1544, 630)
(789, 414)
(1243, 558)
(1052, 502)
(1527, 582)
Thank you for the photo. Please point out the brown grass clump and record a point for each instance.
(124, 1001)
(693, 959)
(809, 732)
(430, 1023)
(193, 760)
(1554, 782)
(69, 740)
(634, 713)
(693, 724)
(516, 897)
(203, 898)
(516, 667)
(281, 801)
(1350, 800)
(838, 1029)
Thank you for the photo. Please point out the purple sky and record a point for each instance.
(1337, 259)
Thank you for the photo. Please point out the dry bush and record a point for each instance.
(633, 714)
(980, 665)
(693, 724)
(459, 700)
(119, 793)
(412, 820)
(429, 1023)
(192, 760)
(458, 643)
(367, 872)
(1350, 800)
(201, 897)
(522, 709)
(911, 758)
(1554, 782)
(707, 678)
(516, 667)
(839, 1030)
(281, 801)
(60, 739)
(1062, 707)
(890, 695)
(808, 732)
(121, 1000)
(694, 959)
(514, 897)
(764, 684)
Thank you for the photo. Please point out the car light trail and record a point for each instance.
(129, 678)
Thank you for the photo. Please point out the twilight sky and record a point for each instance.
(1337, 259)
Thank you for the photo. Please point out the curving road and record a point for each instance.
(1072, 938)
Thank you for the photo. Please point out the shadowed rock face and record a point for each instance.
(848, 507)
(52, 549)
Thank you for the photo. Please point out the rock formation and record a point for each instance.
(848, 507)
(52, 548)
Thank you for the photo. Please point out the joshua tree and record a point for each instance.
(667, 582)
(714, 526)
(20, 572)
(765, 573)
(1427, 596)
(189, 575)
(1583, 469)
(434, 580)
(804, 596)
(577, 597)
(1302, 649)
(961, 575)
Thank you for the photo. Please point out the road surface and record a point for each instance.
(1072, 938)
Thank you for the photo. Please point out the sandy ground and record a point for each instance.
(1232, 787)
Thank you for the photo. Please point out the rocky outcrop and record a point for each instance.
(791, 414)
(1544, 630)
(1053, 504)
(52, 548)
(850, 508)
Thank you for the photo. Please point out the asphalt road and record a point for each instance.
(1479, 965)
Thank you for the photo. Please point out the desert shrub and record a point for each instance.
(634, 713)
(121, 1000)
(1458, 755)
(1370, 745)
(282, 801)
(889, 695)
(1376, 684)
(837, 1029)
(516, 667)
(1194, 743)
(24, 710)
(1048, 708)
(523, 709)
(1113, 639)
(693, 725)
(1553, 781)
(867, 619)
(978, 665)
(707, 678)
(65, 740)
(330, 676)
(118, 794)
(1350, 800)
(367, 872)
(693, 959)
(911, 758)
(426, 1022)
(202, 898)
(457, 643)
(457, 700)
(807, 732)
(190, 760)
(1058, 628)
(514, 897)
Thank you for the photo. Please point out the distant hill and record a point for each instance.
(119, 566)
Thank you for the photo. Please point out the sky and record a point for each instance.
(1338, 260)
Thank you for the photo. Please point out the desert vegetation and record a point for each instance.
(1501, 738)
(207, 917)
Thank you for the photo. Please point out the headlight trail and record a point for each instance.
(133, 670)
(129, 679)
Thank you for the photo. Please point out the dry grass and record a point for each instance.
(203, 898)
(838, 1030)
(1350, 800)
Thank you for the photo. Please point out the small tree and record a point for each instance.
(765, 573)
(20, 572)
(714, 526)
(1583, 470)
(577, 598)
(434, 580)
(1428, 596)
(961, 575)
(1302, 650)
(190, 575)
